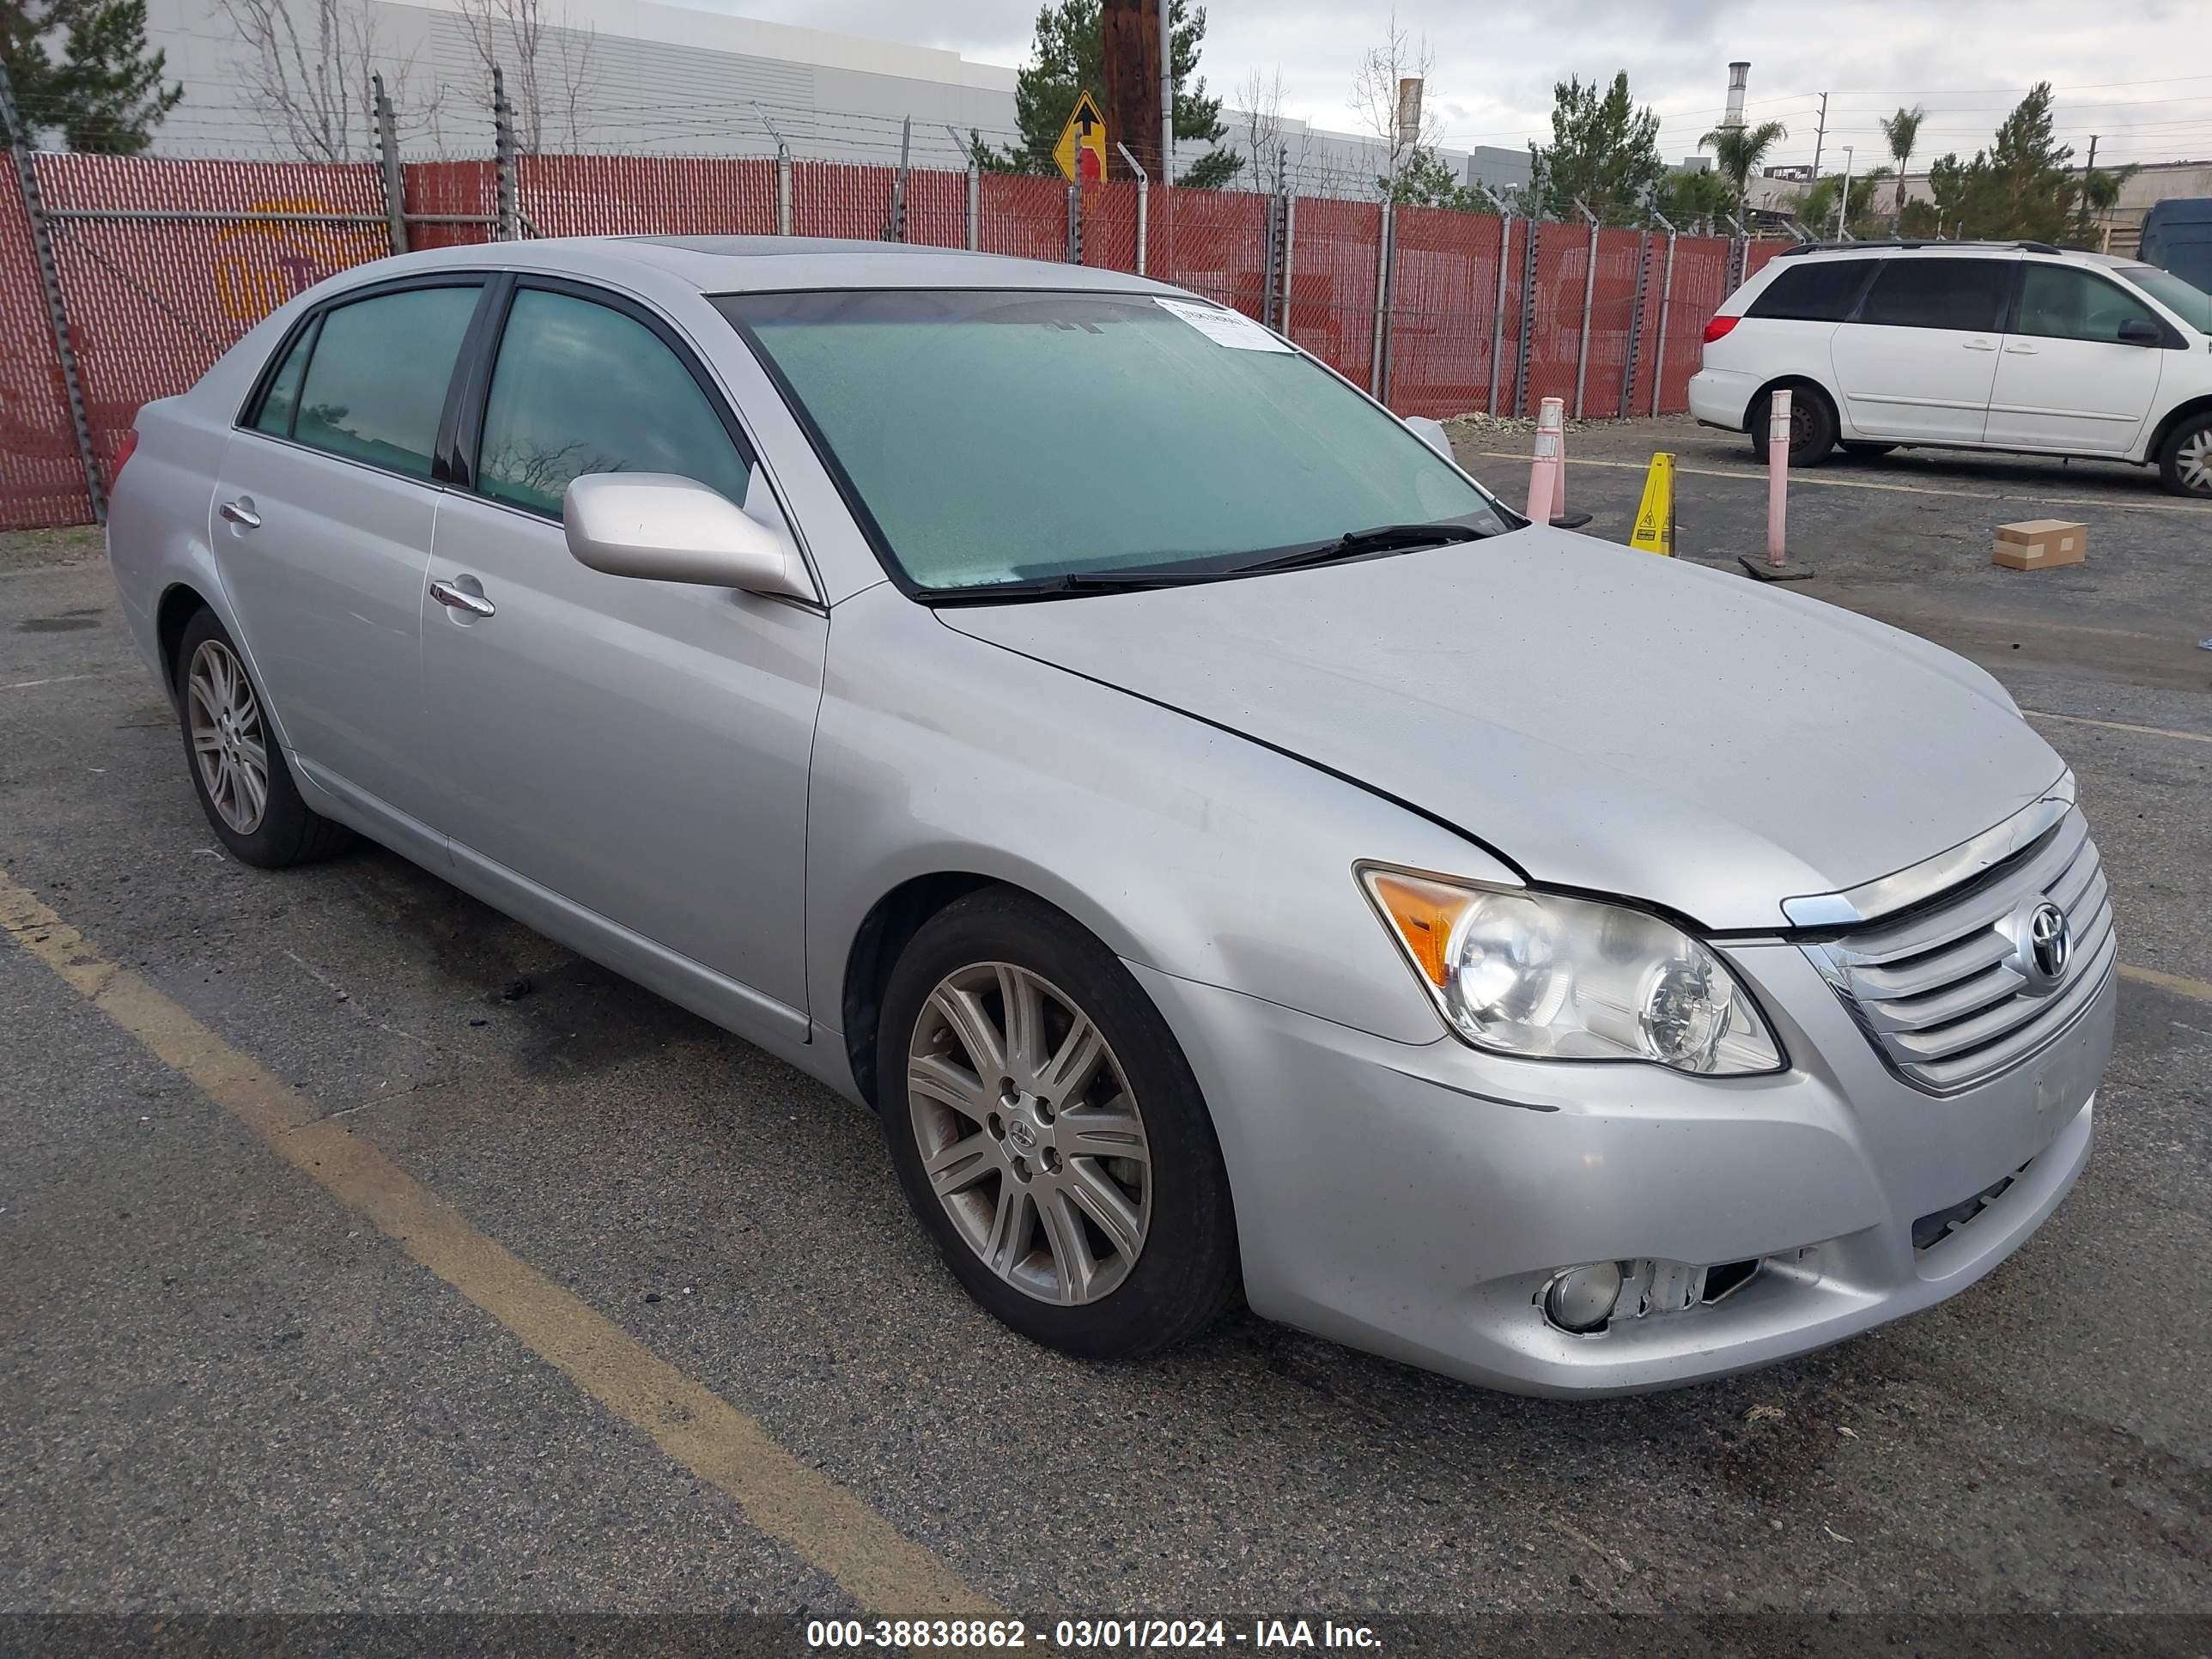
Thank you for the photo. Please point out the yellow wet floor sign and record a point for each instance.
(1655, 519)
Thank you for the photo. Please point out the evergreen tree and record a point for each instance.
(1604, 151)
(105, 91)
(1427, 180)
(1067, 58)
(2022, 187)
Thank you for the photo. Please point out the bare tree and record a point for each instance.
(548, 65)
(307, 75)
(1399, 56)
(1261, 103)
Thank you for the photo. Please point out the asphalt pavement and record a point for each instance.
(367, 1253)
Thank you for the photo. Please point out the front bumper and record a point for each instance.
(1721, 397)
(1414, 1200)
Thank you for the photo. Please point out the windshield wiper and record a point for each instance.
(1381, 539)
(1075, 583)
(1355, 543)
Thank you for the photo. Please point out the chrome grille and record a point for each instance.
(1942, 992)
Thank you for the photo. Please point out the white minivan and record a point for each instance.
(2016, 346)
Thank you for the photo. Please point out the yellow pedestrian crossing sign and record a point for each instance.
(1655, 519)
(1081, 151)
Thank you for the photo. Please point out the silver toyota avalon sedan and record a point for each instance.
(1233, 853)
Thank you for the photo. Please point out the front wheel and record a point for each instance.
(2184, 460)
(1812, 426)
(1050, 1133)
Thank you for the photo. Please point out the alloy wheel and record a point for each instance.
(230, 744)
(2194, 464)
(1029, 1136)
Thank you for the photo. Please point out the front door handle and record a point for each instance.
(240, 512)
(1981, 345)
(2017, 350)
(459, 599)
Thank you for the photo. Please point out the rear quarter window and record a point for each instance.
(1821, 293)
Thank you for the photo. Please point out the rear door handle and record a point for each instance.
(458, 599)
(240, 512)
(2018, 349)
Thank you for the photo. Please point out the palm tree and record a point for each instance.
(1902, 131)
(1737, 151)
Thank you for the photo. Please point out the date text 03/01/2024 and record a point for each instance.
(1133, 1635)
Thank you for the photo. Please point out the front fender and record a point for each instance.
(1183, 847)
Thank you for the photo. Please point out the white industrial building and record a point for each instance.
(636, 76)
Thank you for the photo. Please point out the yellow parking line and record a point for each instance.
(2120, 726)
(1800, 476)
(2197, 989)
(826, 1525)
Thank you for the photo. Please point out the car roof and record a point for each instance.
(737, 265)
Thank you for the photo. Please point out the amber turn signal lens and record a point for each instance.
(1422, 912)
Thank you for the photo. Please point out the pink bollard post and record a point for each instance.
(1546, 466)
(1559, 475)
(1778, 477)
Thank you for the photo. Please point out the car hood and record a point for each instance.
(1604, 719)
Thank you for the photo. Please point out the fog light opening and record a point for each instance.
(1581, 1300)
(1728, 1278)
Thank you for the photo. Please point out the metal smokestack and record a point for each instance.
(1739, 75)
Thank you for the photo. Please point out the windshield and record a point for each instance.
(1001, 437)
(2184, 299)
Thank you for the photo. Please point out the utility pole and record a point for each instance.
(1844, 201)
(2089, 171)
(1819, 138)
(1129, 35)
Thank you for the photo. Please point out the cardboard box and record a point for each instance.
(2039, 543)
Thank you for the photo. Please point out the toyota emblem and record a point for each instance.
(2050, 942)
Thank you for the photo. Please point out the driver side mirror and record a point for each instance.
(2134, 330)
(1432, 433)
(661, 527)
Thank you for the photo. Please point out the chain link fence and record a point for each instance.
(158, 266)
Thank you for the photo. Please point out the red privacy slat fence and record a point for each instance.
(163, 264)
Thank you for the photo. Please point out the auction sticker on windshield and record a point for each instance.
(1233, 329)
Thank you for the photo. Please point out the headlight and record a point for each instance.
(1546, 977)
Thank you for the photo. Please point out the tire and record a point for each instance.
(254, 808)
(1812, 426)
(1010, 1195)
(1868, 451)
(2184, 460)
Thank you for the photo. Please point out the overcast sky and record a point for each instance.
(2114, 62)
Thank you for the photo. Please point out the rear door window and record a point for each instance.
(375, 387)
(1823, 292)
(1964, 295)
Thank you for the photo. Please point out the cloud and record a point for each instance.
(1967, 60)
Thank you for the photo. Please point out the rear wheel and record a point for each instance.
(2184, 460)
(1050, 1133)
(237, 765)
(1812, 426)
